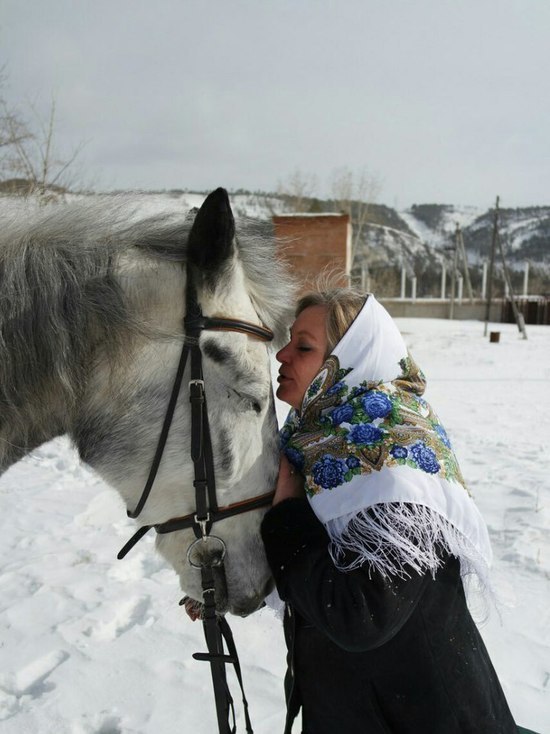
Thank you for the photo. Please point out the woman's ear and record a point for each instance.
(212, 235)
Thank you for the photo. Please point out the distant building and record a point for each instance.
(313, 244)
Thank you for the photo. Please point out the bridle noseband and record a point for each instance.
(207, 550)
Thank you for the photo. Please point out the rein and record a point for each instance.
(207, 551)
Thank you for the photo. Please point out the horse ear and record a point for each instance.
(211, 237)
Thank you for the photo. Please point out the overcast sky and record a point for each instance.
(446, 101)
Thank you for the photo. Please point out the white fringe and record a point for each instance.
(396, 538)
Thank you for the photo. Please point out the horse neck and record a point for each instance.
(42, 416)
(61, 312)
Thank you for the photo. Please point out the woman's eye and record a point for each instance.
(304, 349)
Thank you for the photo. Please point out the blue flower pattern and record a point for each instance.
(399, 452)
(376, 404)
(359, 425)
(295, 457)
(314, 388)
(342, 414)
(329, 472)
(365, 434)
(425, 458)
(442, 433)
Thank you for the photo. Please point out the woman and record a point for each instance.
(369, 536)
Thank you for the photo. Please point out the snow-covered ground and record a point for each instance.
(90, 645)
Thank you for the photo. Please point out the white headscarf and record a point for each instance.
(379, 468)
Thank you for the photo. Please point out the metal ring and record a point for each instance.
(199, 553)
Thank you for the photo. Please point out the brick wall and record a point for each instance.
(313, 244)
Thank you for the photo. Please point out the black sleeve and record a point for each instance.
(359, 610)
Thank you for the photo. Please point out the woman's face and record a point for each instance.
(303, 356)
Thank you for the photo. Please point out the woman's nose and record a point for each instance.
(282, 354)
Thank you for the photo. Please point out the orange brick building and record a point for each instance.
(313, 244)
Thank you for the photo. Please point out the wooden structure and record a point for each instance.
(314, 244)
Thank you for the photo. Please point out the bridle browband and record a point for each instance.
(207, 512)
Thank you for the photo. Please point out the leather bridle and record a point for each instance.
(207, 512)
(207, 551)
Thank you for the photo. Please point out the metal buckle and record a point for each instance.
(202, 524)
(197, 382)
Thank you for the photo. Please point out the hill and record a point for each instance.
(418, 239)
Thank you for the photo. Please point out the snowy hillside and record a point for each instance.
(525, 233)
(91, 645)
(417, 237)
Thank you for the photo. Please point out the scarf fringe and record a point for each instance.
(397, 538)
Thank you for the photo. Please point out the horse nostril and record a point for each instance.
(215, 559)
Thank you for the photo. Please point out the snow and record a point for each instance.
(421, 230)
(90, 645)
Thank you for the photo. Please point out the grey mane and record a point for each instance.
(61, 295)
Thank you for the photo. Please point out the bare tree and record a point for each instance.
(28, 150)
(353, 192)
(13, 130)
(298, 190)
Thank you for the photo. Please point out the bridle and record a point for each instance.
(207, 551)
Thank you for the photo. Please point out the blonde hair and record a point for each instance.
(342, 304)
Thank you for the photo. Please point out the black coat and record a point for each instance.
(368, 655)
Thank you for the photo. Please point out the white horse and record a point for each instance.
(91, 331)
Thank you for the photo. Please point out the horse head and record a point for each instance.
(114, 318)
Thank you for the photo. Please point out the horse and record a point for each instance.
(91, 331)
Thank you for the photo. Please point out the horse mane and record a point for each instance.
(61, 293)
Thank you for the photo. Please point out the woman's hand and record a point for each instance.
(290, 483)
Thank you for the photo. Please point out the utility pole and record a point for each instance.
(491, 266)
(483, 280)
(526, 279)
(460, 246)
(518, 316)
(453, 281)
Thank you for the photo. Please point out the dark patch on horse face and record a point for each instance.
(215, 352)
(224, 356)
(226, 454)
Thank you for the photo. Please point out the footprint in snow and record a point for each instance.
(126, 615)
(101, 723)
(31, 679)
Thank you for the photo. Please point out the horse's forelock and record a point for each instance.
(270, 285)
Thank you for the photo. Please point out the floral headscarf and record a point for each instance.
(379, 469)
